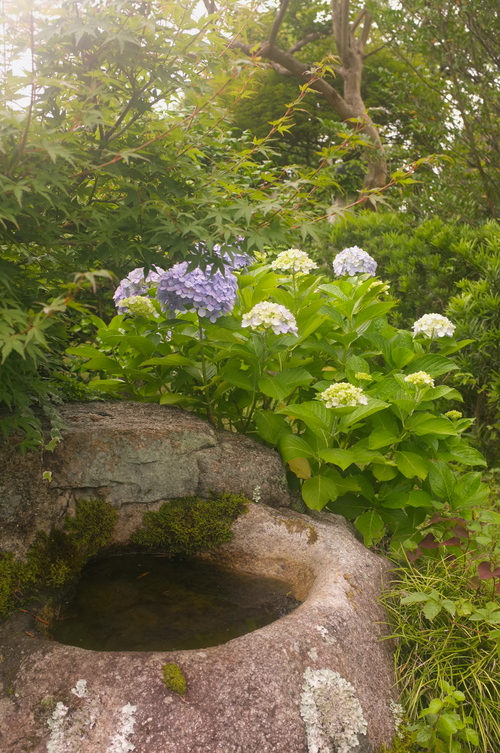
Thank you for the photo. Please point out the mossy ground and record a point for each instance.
(56, 558)
(190, 525)
(174, 679)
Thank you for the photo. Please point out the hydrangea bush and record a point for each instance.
(359, 410)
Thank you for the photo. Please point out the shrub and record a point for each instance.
(357, 408)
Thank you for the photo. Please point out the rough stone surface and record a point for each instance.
(136, 456)
(243, 696)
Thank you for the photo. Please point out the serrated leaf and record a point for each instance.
(342, 458)
(301, 467)
(431, 609)
(292, 446)
(270, 426)
(283, 384)
(411, 465)
(371, 526)
(319, 490)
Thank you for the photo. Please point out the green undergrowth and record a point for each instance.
(174, 678)
(56, 558)
(189, 525)
(445, 619)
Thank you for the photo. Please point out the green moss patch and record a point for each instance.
(174, 679)
(190, 525)
(56, 558)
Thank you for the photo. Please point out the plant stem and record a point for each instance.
(210, 415)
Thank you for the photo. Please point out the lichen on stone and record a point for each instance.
(119, 742)
(174, 678)
(331, 712)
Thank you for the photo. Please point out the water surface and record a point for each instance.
(145, 602)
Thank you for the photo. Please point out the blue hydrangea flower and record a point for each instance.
(232, 259)
(209, 295)
(354, 261)
(136, 284)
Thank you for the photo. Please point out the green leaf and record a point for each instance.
(270, 426)
(171, 398)
(86, 351)
(426, 423)
(415, 598)
(174, 359)
(314, 414)
(142, 344)
(431, 609)
(411, 465)
(317, 491)
(103, 363)
(362, 411)
(292, 446)
(239, 378)
(371, 525)
(467, 455)
(381, 438)
(106, 385)
(384, 472)
(434, 365)
(441, 480)
(342, 458)
(282, 384)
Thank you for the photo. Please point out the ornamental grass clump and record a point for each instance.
(209, 294)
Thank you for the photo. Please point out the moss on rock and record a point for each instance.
(190, 525)
(174, 678)
(57, 557)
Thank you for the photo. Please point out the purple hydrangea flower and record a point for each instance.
(136, 284)
(209, 295)
(232, 259)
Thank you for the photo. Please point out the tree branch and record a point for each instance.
(277, 22)
(357, 20)
(307, 39)
(365, 32)
(301, 71)
(374, 52)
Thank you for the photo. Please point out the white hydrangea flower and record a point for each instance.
(433, 325)
(420, 379)
(331, 712)
(354, 261)
(271, 316)
(454, 414)
(139, 305)
(343, 394)
(294, 261)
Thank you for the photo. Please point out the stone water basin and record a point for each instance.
(319, 677)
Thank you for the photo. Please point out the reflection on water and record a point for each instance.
(144, 602)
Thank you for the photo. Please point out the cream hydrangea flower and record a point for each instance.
(343, 394)
(271, 316)
(420, 379)
(138, 305)
(294, 261)
(363, 377)
(433, 325)
(454, 415)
